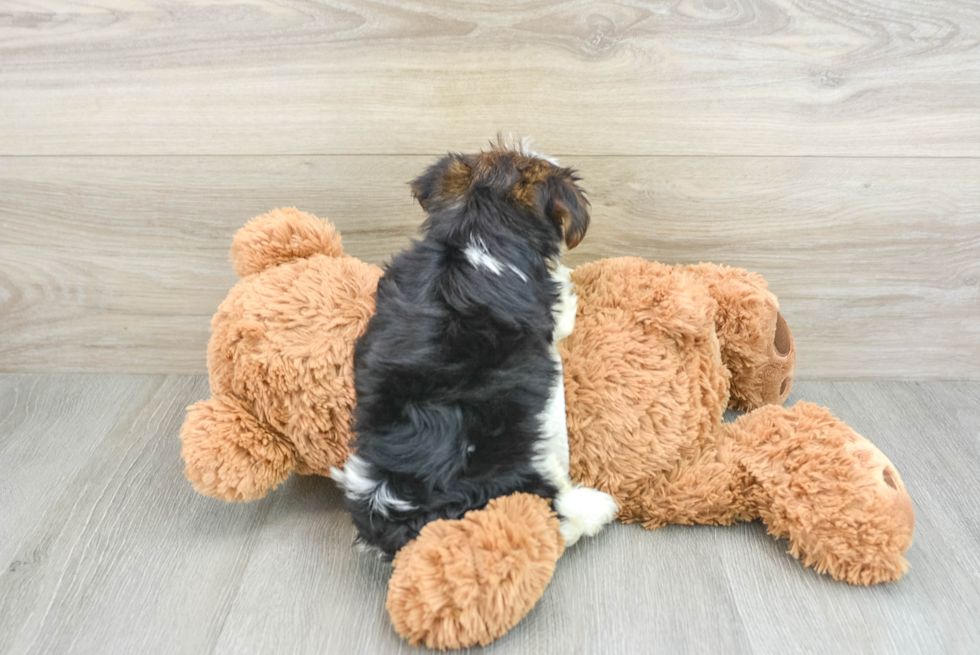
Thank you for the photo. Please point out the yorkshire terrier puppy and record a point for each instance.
(459, 386)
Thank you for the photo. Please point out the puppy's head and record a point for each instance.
(537, 188)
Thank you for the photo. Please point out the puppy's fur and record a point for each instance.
(459, 390)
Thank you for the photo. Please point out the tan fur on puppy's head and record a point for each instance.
(512, 172)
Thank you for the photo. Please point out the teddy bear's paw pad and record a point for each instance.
(228, 455)
(468, 582)
(762, 373)
(756, 343)
(782, 342)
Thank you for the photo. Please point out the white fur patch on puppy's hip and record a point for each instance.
(358, 485)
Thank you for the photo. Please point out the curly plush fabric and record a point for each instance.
(657, 354)
(229, 455)
(285, 342)
(646, 382)
(756, 344)
(835, 497)
(468, 582)
(281, 236)
(645, 387)
(281, 354)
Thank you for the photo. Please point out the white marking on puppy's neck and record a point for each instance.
(478, 254)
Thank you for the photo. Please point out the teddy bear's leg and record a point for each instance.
(467, 582)
(757, 345)
(229, 455)
(835, 497)
(706, 490)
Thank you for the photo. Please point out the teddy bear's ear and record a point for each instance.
(280, 236)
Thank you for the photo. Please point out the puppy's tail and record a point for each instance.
(280, 236)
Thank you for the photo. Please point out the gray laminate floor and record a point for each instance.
(105, 548)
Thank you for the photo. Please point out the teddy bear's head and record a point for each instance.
(280, 359)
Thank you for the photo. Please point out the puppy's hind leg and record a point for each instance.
(582, 510)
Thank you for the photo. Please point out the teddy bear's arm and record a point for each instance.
(229, 455)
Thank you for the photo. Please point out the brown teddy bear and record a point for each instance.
(657, 355)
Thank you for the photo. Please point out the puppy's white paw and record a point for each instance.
(584, 511)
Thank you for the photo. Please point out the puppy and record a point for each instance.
(459, 386)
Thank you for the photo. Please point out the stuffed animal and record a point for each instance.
(657, 355)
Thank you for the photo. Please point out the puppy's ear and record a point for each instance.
(443, 182)
(566, 206)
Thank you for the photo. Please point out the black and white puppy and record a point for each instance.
(459, 386)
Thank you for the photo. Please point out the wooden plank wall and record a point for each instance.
(833, 146)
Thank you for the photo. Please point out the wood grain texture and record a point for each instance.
(117, 263)
(680, 77)
(105, 548)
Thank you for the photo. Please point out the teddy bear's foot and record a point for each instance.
(835, 497)
(467, 582)
(229, 455)
(756, 343)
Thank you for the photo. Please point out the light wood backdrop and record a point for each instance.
(833, 146)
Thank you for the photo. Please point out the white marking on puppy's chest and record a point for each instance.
(584, 510)
(551, 458)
